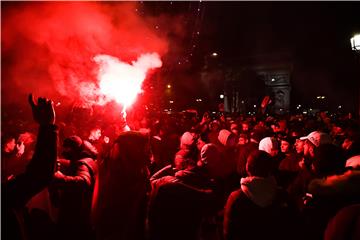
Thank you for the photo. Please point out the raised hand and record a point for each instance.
(20, 148)
(43, 111)
(206, 118)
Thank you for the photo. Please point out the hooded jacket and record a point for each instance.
(258, 210)
(119, 200)
(179, 203)
(261, 191)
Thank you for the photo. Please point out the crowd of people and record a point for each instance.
(181, 177)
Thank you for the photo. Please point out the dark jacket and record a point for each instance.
(243, 219)
(179, 203)
(75, 198)
(345, 225)
(120, 194)
(19, 190)
(329, 195)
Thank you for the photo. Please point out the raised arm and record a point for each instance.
(40, 170)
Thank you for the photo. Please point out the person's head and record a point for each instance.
(187, 140)
(245, 126)
(131, 152)
(299, 146)
(234, 128)
(269, 145)
(227, 138)
(284, 146)
(186, 158)
(328, 160)
(74, 148)
(243, 139)
(282, 125)
(259, 164)
(9, 144)
(214, 126)
(210, 159)
(256, 136)
(314, 140)
(337, 128)
(275, 127)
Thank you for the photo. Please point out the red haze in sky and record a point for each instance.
(49, 48)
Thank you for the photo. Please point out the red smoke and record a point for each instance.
(49, 48)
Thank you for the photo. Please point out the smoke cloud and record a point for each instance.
(49, 48)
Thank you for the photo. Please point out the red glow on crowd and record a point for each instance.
(121, 81)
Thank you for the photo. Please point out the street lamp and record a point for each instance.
(355, 43)
(355, 46)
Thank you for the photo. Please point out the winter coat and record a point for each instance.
(329, 195)
(258, 210)
(345, 185)
(75, 191)
(179, 203)
(345, 225)
(120, 194)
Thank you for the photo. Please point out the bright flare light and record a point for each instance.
(355, 42)
(121, 81)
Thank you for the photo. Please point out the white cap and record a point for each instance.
(317, 138)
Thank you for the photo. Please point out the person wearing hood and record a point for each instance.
(72, 188)
(229, 155)
(258, 209)
(228, 150)
(184, 199)
(214, 129)
(269, 145)
(121, 189)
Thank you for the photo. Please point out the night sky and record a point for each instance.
(314, 37)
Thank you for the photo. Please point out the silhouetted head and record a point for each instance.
(74, 148)
(259, 164)
(130, 153)
(329, 160)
